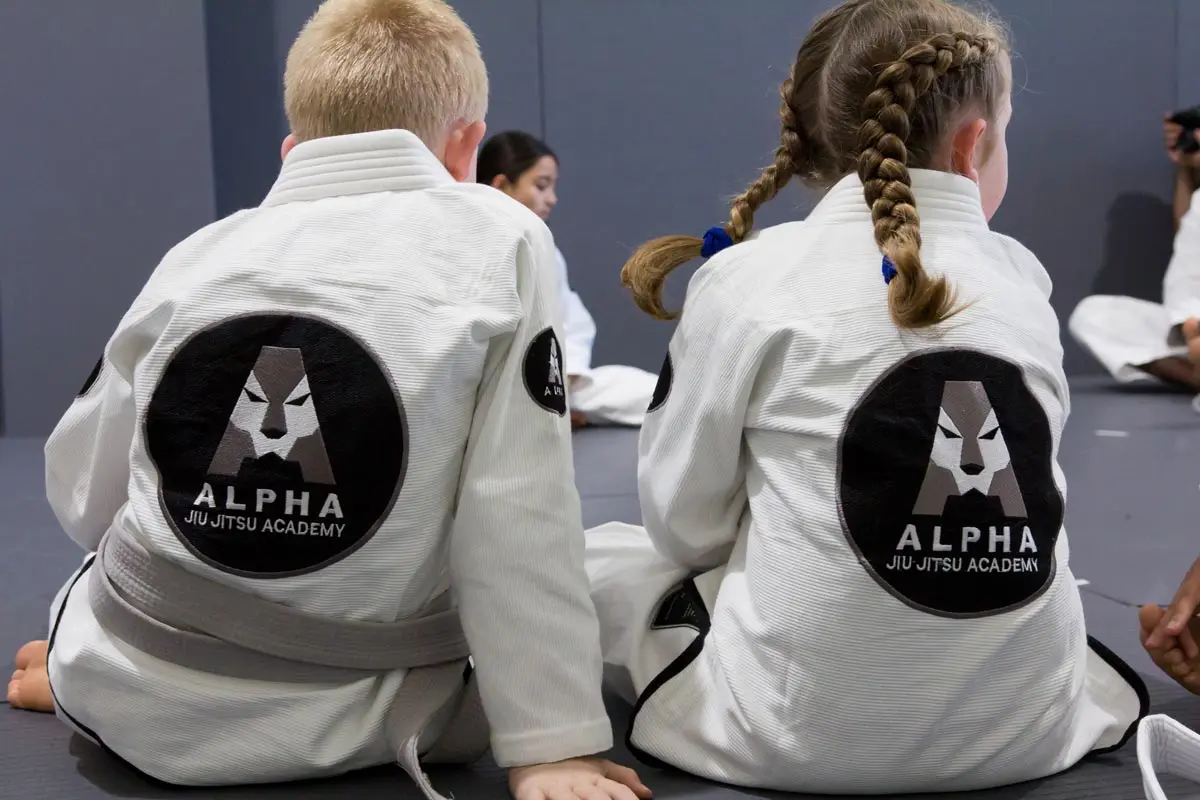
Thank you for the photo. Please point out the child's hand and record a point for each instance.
(577, 779)
(1173, 625)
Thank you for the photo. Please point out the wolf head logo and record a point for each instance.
(555, 376)
(275, 414)
(969, 454)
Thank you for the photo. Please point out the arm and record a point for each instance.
(578, 325)
(1181, 282)
(691, 468)
(1185, 187)
(87, 457)
(516, 549)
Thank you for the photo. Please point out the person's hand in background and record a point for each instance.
(1169, 634)
(1171, 133)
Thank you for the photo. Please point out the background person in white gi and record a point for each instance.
(522, 166)
(336, 416)
(1138, 340)
(853, 577)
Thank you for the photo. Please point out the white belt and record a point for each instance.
(1165, 746)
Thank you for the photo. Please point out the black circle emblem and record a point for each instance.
(280, 444)
(947, 486)
(543, 370)
(666, 376)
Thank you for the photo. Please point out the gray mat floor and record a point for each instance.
(1132, 459)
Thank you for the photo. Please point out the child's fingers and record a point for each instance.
(1148, 618)
(625, 775)
(1188, 643)
(1182, 609)
(594, 791)
(607, 789)
(1175, 662)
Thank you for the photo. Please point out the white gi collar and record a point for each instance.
(941, 196)
(380, 161)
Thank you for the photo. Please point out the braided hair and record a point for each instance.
(904, 72)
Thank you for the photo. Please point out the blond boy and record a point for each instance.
(326, 455)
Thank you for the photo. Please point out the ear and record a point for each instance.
(968, 149)
(288, 143)
(462, 151)
(502, 182)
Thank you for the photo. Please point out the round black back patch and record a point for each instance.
(947, 488)
(666, 376)
(543, 370)
(280, 443)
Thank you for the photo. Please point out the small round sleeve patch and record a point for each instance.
(280, 443)
(947, 487)
(543, 372)
(662, 389)
(92, 377)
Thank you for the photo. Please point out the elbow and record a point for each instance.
(73, 517)
(695, 555)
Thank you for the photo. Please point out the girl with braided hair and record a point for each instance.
(853, 576)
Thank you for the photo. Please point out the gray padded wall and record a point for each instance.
(107, 163)
(660, 110)
(1090, 184)
(660, 115)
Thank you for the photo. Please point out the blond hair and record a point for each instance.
(874, 90)
(368, 65)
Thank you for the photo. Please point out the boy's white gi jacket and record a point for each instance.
(342, 402)
(873, 591)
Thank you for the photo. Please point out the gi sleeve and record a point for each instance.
(692, 463)
(1181, 283)
(579, 327)
(517, 546)
(87, 456)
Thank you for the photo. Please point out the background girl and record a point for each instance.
(525, 168)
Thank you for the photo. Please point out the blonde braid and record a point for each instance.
(915, 299)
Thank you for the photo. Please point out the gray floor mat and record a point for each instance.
(1132, 500)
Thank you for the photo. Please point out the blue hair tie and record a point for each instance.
(715, 240)
(889, 270)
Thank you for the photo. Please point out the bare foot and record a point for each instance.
(1191, 335)
(1171, 658)
(32, 655)
(29, 689)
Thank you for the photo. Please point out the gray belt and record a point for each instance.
(177, 616)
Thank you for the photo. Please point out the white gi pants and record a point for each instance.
(613, 395)
(692, 714)
(1123, 334)
(191, 728)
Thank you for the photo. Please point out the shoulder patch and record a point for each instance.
(92, 377)
(682, 607)
(662, 389)
(946, 485)
(280, 444)
(543, 369)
